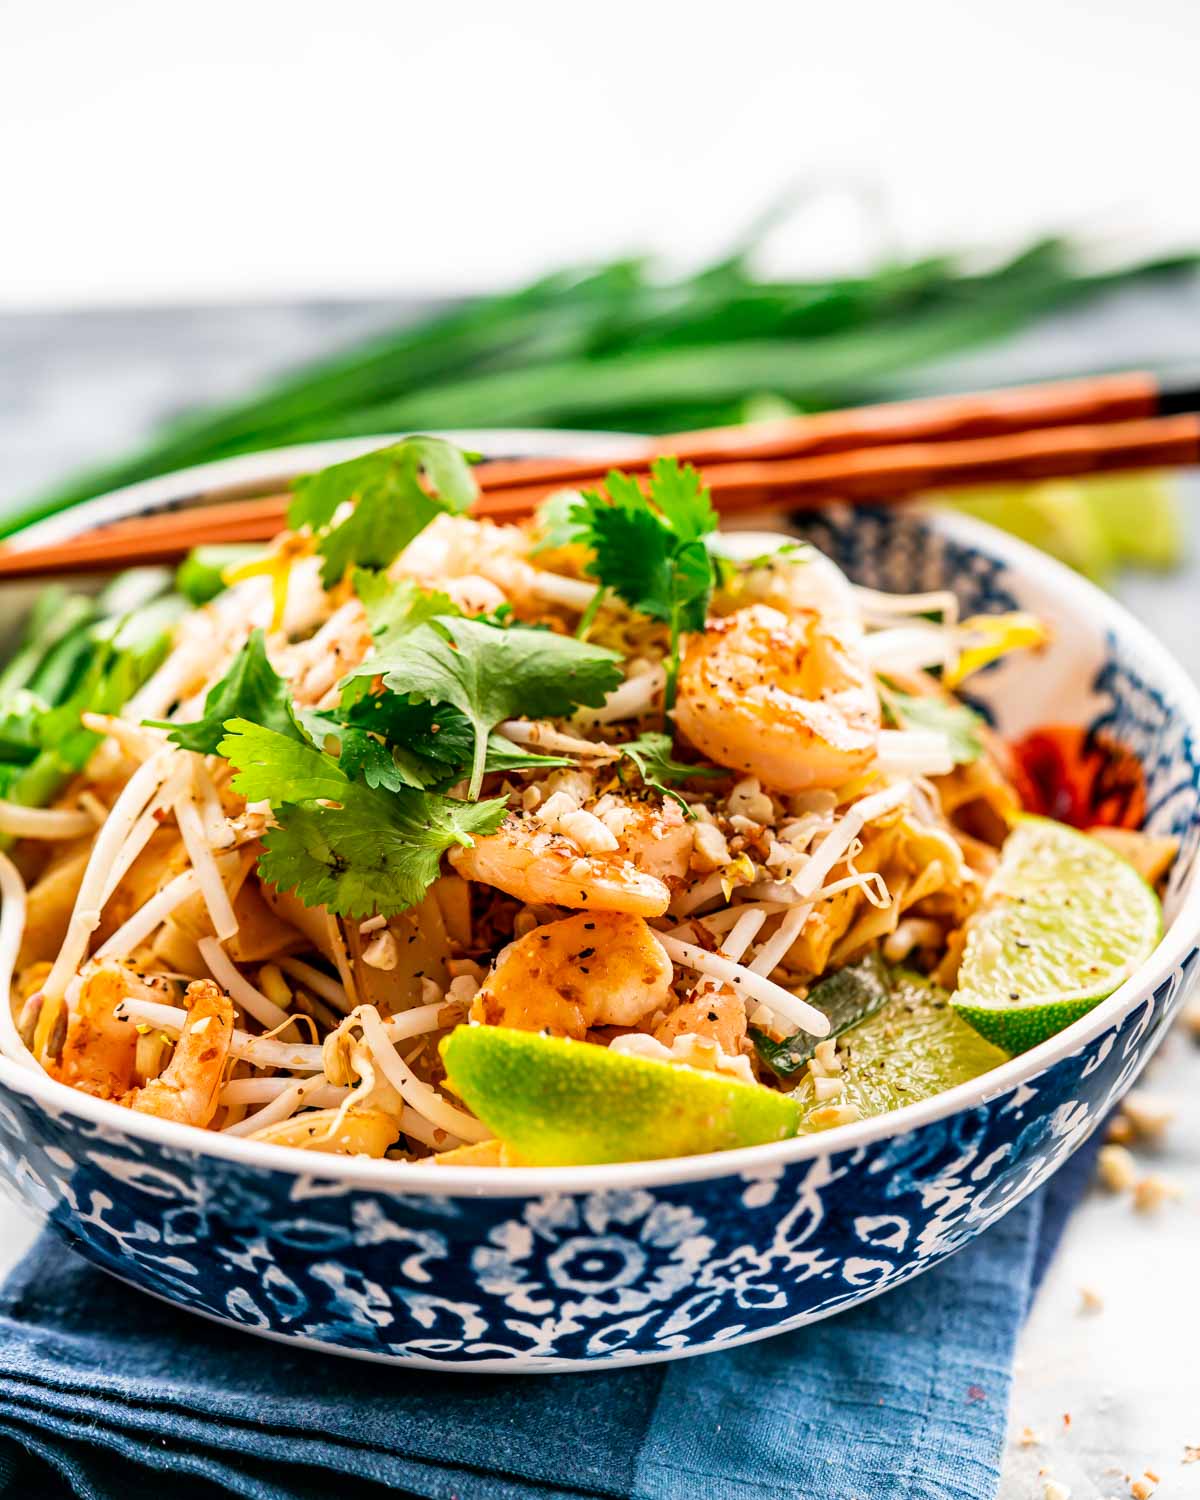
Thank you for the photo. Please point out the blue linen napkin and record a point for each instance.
(108, 1395)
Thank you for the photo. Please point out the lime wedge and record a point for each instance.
(1064, 921)
(912, 1047)
(1140, 516)
(556, 1102)
(1056, 516)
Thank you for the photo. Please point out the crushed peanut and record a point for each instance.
(834, 1114)
(1116, 1168)
(1090, 1300)
(1055, 1491)
(1028, 1438)
(1148, 1117)
(1152, 1192)
(381, 952)
(1142, 1489)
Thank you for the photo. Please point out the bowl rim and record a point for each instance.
(1077, 594)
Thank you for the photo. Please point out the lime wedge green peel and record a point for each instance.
(1064, 922)
(556, 1102)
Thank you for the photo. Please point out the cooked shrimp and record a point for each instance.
(788, 700)
(606, 969)
(187, 1089)
(718, 1015)
(98, 1053)
(539, 867)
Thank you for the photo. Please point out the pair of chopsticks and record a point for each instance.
(872, 453)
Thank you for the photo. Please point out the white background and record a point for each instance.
(264, 148)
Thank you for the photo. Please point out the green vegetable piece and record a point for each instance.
(201, 575)
(373, 850)
(391, 506)
(846, 996)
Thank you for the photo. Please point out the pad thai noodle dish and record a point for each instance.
(602, 837)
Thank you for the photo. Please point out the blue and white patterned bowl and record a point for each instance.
(542, 1269)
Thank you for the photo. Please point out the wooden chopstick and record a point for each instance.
(981, 414)
(788, 466)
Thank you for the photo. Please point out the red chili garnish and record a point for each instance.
(1080, 778)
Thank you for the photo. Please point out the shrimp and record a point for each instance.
(718, 1015)
(99, 1050)
(606, 969)
(544, 868)
(187, 1090)
(788, 700)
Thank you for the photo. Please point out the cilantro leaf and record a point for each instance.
(251, 689)
(651, 549)
(554, 524)
(959, 724)
(651, 754)
(391, 506)
(433, 745)
(491, 674)
(376, 850)
(394, 606)
(683, 499)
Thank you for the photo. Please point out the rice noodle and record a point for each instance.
(230, 978)
(208, 877)
(12, 929)
(749, 982)
(85, 916)
(320, 984)
(424, 1098)
(44, 823)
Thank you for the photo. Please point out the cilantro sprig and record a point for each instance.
(651, 754)
(391, 504)
(489, 673)
(251, 689)
(650, 548)
(345, 845)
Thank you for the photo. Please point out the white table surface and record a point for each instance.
(73, 386)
